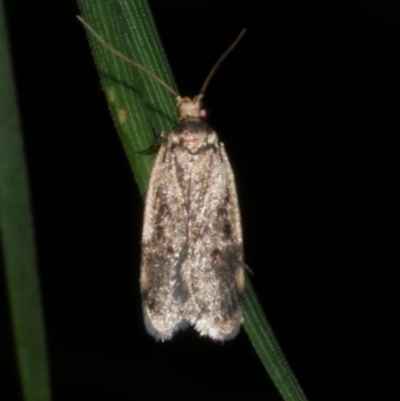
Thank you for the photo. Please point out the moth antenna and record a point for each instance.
(126, 59)
(220, 60)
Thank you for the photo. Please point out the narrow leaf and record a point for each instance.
(19, 255)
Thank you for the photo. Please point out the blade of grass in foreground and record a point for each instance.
(135, 100)
(18, 240)
(127, 25)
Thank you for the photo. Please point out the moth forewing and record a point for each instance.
(161, 309)
(220, 274)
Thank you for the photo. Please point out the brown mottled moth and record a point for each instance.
(192, 269)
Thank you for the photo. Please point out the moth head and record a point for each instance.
(190, 107)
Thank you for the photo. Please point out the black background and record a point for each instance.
(308, 109)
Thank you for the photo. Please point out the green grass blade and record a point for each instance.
(135, 100)
(17, 237)
(127, 26)
(264, 342)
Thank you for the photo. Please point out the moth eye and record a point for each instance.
(204, 113)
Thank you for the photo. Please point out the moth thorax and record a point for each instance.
(189, 107)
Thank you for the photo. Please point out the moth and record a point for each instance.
(192, 268)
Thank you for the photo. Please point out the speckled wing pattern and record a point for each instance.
(192, 268)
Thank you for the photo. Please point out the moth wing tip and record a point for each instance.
(218, 332)
(165, 334)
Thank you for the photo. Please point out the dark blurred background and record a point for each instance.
(308, 108)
